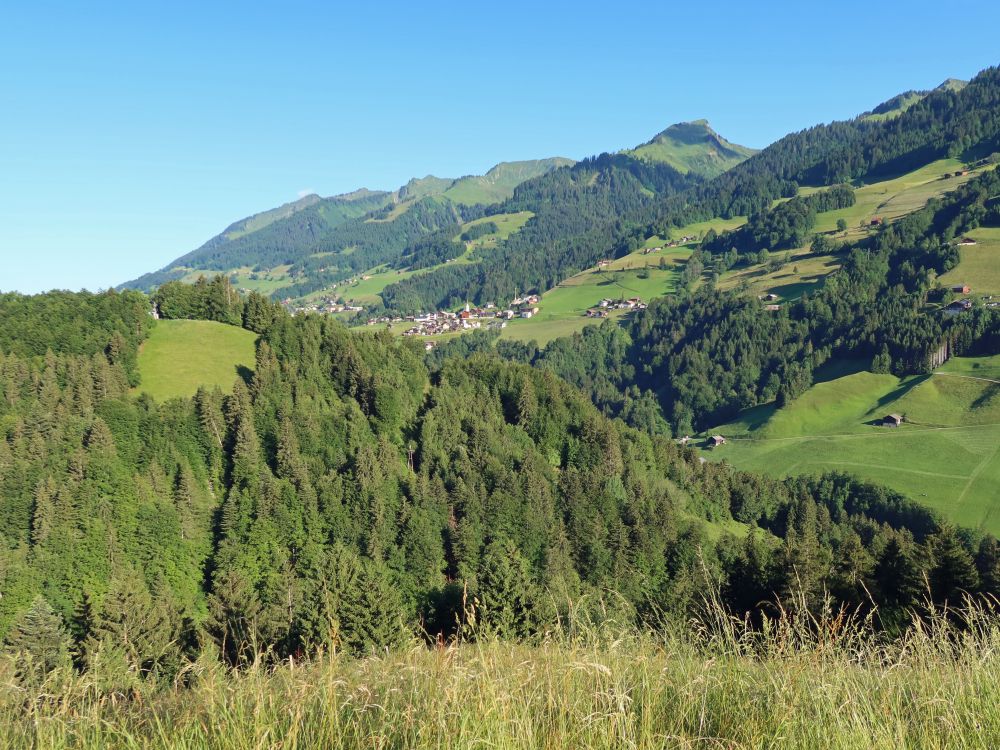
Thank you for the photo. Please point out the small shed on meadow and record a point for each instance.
(961, 289)
(716, 440)
(892, 420)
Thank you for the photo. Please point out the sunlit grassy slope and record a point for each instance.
(980, 264)
(947, 455)
(182, 355)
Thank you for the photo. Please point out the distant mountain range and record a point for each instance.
(563, 216)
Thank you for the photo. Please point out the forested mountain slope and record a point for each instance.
(343, 495)
(270, 238)
(311, 240)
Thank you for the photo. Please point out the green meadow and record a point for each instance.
(507, 224)
(182, 355)
(946, 454)
(561, 310)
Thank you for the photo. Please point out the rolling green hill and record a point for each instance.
(182, 355)
(693, 147)
(946, 454)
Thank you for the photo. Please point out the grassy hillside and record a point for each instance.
(561, 310)
(182, 355)
(946, 455)
(894, 107)
(693, 147)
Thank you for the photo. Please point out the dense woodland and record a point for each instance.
(347, 496)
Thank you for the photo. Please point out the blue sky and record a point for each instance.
(132, 132)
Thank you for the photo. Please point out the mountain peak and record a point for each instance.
(693, 146)
(952, 84)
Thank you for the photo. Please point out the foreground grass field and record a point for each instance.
(182, 355)
(946, 455)
(830, 684)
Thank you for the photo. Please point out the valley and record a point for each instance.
(679, 442)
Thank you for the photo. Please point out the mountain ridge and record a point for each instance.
(309, 217)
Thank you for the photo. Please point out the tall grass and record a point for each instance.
(800, 682)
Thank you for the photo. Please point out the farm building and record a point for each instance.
(961, 289)
(967, 241)
(876, 221)
(892, 420)
(716, 440)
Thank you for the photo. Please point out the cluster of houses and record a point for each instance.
(605, 306)
(326, 305)
(434, 323)
(469, 318)
(682, 241)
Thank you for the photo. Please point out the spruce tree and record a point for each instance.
(129, 620)
(505, 594)
(39, 639)
(953, 574)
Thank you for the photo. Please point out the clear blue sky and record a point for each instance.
(132, 132)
